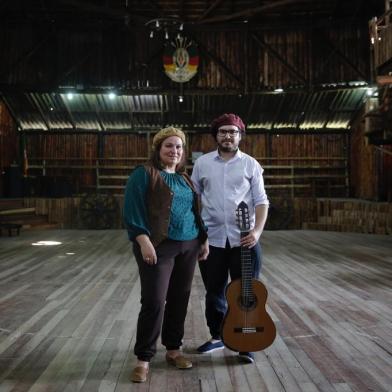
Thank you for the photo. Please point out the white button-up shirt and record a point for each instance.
(223, 185)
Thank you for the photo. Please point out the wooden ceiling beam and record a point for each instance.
(14, 89)
(334, 49)
(252, 11)
(218, 61)
(25, 56)
(278, 57)
(76, 64)
(211, 8)
(384, 80)
(115, 13)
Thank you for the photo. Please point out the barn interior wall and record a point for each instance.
(82, 160)
(9, 149)
(370, 164)
(131, 60)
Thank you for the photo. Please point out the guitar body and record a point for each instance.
(247, 328)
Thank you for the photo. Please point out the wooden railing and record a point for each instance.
(306, 176)
(295, 176)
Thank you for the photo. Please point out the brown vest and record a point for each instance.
(159, 202)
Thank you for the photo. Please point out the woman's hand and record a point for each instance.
(147, 249)
(204, 251)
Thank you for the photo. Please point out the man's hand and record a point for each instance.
(251, 239)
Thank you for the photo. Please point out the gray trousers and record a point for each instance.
(165, 291)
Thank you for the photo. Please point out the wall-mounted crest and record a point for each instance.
(181, 59)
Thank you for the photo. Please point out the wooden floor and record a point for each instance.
(68, 314)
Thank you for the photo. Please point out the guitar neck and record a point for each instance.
(246, 270)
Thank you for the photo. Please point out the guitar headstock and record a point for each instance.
(242, 213)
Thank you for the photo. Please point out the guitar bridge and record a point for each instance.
(248, 329)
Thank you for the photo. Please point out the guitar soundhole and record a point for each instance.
(247, 303)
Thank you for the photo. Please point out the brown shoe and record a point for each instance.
(139, 374)
(180, 362)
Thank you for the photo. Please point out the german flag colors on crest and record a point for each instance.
(180, 60)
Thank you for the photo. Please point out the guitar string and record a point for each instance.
(246, 281)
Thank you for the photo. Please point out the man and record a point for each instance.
(223, 179)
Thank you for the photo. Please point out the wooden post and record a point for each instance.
(97, 174)
(373, 48)
(388, 6)
(292, 179)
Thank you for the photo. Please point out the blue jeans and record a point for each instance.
(215, 272)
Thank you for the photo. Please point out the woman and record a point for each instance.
(162, 217)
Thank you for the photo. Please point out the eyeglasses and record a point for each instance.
(231, 132)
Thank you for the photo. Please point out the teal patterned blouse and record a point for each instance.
(182, 224)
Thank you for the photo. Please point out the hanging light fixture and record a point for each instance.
(169, 27)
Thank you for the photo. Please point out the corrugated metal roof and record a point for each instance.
(299, 111)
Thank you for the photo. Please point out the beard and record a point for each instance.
(229, 148)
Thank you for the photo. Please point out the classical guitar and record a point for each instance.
(247, 326)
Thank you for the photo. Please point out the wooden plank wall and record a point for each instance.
(364, 172)
(250, 57)
(74, 156)
(351, 215)
(69, 146)
(386, 179)
(382, 47)
(9, 148)
(345, 215)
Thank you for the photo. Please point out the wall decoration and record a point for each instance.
(181, 59)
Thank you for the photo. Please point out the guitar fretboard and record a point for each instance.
(247, 295)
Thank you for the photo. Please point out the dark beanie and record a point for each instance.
(227, 119)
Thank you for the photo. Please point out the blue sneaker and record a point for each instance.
(209, 347)
(246, 357)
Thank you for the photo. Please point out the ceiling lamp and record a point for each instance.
(167, 27)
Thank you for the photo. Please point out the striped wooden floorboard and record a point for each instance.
(68, 314)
